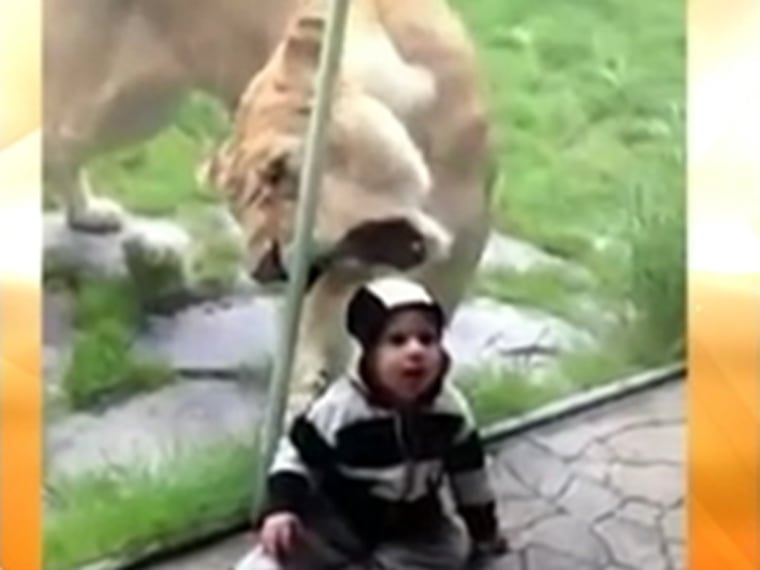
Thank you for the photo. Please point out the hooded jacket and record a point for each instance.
(382, 467)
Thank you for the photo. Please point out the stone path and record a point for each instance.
(223, 352)
(600, 491)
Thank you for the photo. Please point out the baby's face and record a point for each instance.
(408, 355)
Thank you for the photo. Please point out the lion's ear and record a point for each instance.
(303, 45)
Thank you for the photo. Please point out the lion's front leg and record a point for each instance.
(323, 347)
(85, 212)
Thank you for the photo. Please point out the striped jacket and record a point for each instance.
(381, 467)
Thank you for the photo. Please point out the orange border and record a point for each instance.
(21, 421)
(20, 323)
(723, 503)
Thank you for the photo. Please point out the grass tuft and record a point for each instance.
(496, 393)
(122, 511)
(103, 366)
(157, 177)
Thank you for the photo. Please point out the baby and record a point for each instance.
(356, 482)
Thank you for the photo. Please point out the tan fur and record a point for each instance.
(408, 138)
(114, 70)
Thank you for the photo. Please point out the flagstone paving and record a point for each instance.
(602, 490)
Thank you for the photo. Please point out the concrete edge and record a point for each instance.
(580, 402)
(160, 551)
(492, 434)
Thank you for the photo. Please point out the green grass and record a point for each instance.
(103, 367)
(120, 512)
(586, 98)
(552, 289)
(216, 257)
(656, 282)
(158, 177)
(110, 300)
(587, 102)
(495, 393)
(109, 312)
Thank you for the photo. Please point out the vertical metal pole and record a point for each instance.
(309, 186)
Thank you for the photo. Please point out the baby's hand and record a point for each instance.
(279, 534)
(496, 546)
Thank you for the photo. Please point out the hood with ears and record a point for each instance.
(369, 310)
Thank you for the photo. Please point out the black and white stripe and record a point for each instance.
(382, 467)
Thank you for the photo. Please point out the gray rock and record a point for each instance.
(594, 462)
(633, 544)
(664, 407)
(650, 443)
(642, 513)
(677, 555)
(103, 254)
(484, 331)
(216, 337)
(519, 514)
(57, 337)
(509, 487)
(223, 557)
(224, 337)
(568, 441)
(540, 470)
(57, 318)
(659, 484)
(55, 361)
(68, 250)
(673, 525)
(543, 558)
(146, 428)
(506, 562)
(587, 500)
(570, 540)
(503, 252)
(227, 336)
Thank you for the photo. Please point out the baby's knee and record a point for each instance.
(256, 559)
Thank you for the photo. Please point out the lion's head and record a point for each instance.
(260, 190)
(374, 179)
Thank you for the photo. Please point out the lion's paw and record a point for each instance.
(156, 255)
(297, 404)
(157, 243)
(438, 240)
(305, 390)
(101, 215)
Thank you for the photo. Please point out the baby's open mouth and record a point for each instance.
(414, 372)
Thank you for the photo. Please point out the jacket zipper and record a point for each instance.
(408, 464)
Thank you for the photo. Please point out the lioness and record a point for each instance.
(404, 186)
(114, 70)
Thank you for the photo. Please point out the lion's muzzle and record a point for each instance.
(391, 243)
(270, 267)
